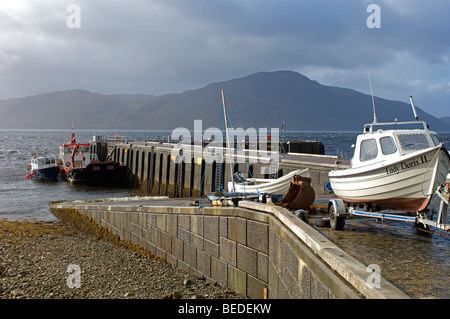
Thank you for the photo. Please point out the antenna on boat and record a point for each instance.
(74, 141)
(373, 101)
(225, 117)
(413, 108)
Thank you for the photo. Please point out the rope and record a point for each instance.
(201, 185)
(432, 232)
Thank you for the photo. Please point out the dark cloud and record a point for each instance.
(158, 46)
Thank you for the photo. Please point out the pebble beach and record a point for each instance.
(52, 260)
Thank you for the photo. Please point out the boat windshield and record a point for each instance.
(413, 141)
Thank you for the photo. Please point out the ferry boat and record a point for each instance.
(397, 167)
(79, 165)
(43, 168)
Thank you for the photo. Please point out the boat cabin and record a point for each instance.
(378, 144)
(40, 162)
(76, 155)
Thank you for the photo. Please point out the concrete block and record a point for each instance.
(197, 225)
(219, 271)
(204, 263)
(177, 248)
(160, 253)
(184, 235)
(126, 220)
(258, 236)
(211, 248)
(184, 221)
(255, 287)
(228, 251)
(223, 226)
(190, 255)
(237, 280)
(273, 281)
(304, 278)
(172, 224)
(151, 247)
(211, 228)
(318, 289)
(183, 266)
(142, 219)
(126, 234)
(237, 229)
(263, 267)
(197, 241)
(136, 229)
(161, 222)
(166, 242)
(156, 236)
(274, 248)
(247, 259)
(282, 291)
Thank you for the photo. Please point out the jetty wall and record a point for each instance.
(257, 250)
(156, 170)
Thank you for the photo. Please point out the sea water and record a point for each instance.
(22, 198)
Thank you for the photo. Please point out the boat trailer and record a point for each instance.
(339, 211)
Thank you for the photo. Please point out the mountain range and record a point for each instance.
(264, 99)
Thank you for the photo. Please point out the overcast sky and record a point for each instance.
(169, 46)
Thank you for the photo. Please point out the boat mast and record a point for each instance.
(228, 137)
(373, 101)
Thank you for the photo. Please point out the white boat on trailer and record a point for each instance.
(277, 186)
(393, 168)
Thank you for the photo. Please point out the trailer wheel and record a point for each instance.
(336, 222)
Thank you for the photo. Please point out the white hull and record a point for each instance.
(404, 183)
(277, 186)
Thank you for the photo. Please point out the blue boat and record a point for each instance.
(43, 168)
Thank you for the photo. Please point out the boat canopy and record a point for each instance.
(383, 144)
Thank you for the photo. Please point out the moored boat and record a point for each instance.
(43, 168)
(80, 165)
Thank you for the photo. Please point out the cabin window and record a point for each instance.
(387, 145)
(413, 141)
(368, 150)
(435, 139)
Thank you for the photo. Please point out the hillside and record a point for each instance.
(259, 100)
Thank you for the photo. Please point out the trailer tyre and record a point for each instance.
(336, 222)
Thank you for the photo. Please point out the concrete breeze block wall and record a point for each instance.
(251, 252)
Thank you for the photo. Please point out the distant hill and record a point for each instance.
(445, 120)
(259, 100)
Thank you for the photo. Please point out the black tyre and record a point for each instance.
(336, 222)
